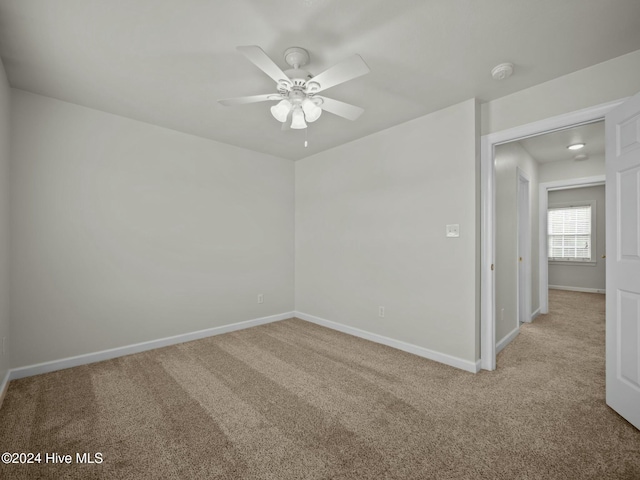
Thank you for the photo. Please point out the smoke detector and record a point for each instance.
(502, 71)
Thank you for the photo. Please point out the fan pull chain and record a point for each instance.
(306, 136)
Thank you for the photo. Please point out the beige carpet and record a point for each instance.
(292, 400)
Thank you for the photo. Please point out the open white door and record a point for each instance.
(623, 259)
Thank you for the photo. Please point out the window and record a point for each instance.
(570, 233)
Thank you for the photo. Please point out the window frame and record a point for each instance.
(592, 261)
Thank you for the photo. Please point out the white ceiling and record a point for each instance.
(166, 62)
(552, 147)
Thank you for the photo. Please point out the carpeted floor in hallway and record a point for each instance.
(292, 400)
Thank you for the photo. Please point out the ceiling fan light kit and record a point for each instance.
(297, 118)
(297, 97)
(311, 110)
(281, 110)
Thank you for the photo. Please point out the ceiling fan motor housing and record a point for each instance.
(297, 90)
(297, 95)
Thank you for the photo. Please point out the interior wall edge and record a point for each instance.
(17, 91)
(78, 360)
(535, 314)
(456, 362)
(507, 339)
(6, 337)
(4, 386)
(577, 289)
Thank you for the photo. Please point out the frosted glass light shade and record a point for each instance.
(297, 119)
(312, 111)
(281, 110)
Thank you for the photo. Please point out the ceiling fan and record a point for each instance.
(297, 89)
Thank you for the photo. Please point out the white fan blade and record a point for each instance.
(251, 99)
(345, 110)
(344, 71)
(261, 60)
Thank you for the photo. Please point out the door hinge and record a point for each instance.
(492, 267)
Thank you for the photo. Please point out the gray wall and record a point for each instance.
(124, 232)
(580, 275)
(5, 96)
(570, 169)
(370, 231)
(508, 158)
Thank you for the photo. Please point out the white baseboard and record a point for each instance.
(139, 347)
(4, 386)
(577, 289)
(473, 367)
(535, 314)
(507, 339)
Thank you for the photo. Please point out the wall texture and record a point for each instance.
(508, 158)
(5, 100)
(370, 232)
(580, 275)
(605, 82)
(570, 169)
(124, 232)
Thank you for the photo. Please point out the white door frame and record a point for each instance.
(543, 205)
(487, 199)
(523, 250)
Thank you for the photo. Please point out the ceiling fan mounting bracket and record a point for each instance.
(296, 57)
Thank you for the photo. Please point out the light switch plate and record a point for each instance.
(453, 230)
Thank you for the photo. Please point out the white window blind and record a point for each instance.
(569, 233)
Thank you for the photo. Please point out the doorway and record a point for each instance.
(489, 312)
(561, 159)
(622, 183)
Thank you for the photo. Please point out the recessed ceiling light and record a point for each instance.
(581, 156)
(576, 146)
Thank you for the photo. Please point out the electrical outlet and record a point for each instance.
(381, 312)
(260, 298)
